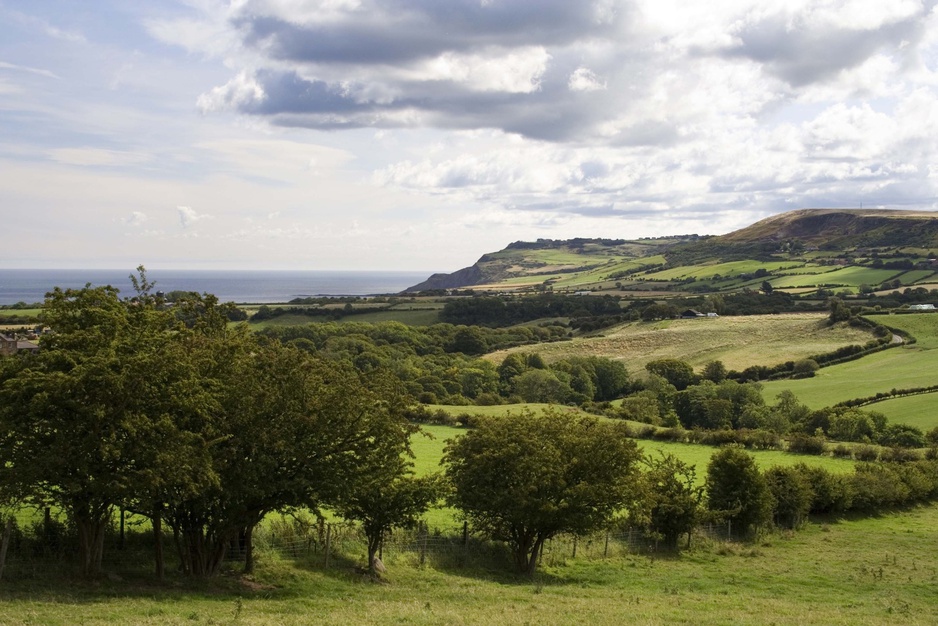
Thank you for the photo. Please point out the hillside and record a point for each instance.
(796, 250)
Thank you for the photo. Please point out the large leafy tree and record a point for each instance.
(524, 478)
(290, 430)
(88, 423)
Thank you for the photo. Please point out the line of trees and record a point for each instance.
(171, 413)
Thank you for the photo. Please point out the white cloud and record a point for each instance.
(136, 218)
(583, 79)
(188, 216)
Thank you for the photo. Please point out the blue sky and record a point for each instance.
(420, 134)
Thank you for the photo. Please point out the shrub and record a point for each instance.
(761, 439)
(900, 455)
(737, 490)
(832, 493)
(804, 368)
(865, 453)
(792, 493)
(671, 434)
(842, 451)
(806, 444)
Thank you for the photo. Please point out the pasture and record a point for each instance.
(737, 341)
(920, 410)
(897, 368)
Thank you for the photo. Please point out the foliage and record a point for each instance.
(792, 495)
(523, 479)
(676, 372)
(673, 498)
(737, 490)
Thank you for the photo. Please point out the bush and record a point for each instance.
(865, 453)
(842, 451)
(792, 493)
(761, 439)
(804, 368)
(900, 455)
(806, 444)
(737, 490)
(832, 493)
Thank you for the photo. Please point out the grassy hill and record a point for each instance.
(737, 341)
(793, 250)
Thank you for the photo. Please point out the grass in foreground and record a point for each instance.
(856, 571)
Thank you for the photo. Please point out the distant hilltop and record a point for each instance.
(525, 264)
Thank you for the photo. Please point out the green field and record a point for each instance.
(728, 269)
(898, 368)
(843, 277)
(920, 410)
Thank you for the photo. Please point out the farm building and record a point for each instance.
(10, 345)
(691, 313)
(922, 307)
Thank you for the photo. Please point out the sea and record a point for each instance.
(241, 286)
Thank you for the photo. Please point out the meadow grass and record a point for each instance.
(854, 571)
(737, 341)
(729, 268)
(896, 368)
(920, 410)
(847, 276)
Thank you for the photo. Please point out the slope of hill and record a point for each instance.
(805, 243)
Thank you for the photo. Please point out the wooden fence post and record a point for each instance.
(328, 543)
(422, 538)
(606, 548)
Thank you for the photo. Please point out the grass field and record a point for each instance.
(737, 341)
(898, 368)
(730, 268)
(853, 572)
(847, 277)
(920, 411)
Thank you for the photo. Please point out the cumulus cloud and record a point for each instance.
(136, 218)
(188, 216)
(553, 115)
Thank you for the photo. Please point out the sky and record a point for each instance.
(421, 134)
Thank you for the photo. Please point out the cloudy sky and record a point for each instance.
(420, 134)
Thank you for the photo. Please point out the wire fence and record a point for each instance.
(342, 544)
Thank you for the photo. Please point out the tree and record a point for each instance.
(673, 499)
(288, 430)
(792, 495)
(523, 479)
(87, 424)
(390, 497)
(737, 490)
(839, 311)
(677, 372)
(766, 288)
(714, 371)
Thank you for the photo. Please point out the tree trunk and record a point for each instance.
(5, 543)
(535, 555)
(91, 524)
(249, 549)
(158, 540)
(204, 553)
(374, 541)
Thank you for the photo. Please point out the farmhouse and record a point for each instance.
(10, 345)
(691, 314)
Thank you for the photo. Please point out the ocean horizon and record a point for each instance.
(241, 286)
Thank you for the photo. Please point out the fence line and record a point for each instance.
(339, 543)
